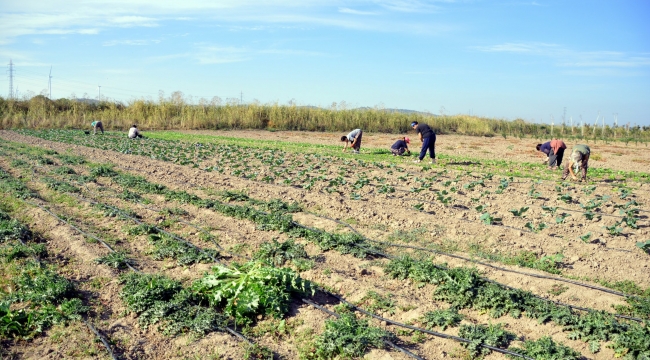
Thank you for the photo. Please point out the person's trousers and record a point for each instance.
(428, 144)
(99, 126)
(555, 159)
(357, 144)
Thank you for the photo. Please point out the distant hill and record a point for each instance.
(87, 101)
(401, 111)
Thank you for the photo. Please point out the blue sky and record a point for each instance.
(502, 59)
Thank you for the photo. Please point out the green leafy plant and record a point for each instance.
(156, 299)
(545, 348)
(531, 226)
(117, 260)
(250, 289)
(276, 253)
(644, 245)
(488, 219)
(585, 237)
(550, 209)
(348, 337)
(520, 212)
(374, 302)
(561, 217)
(441, 318)
(493, 335)
(566, 198)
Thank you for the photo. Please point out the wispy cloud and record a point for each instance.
(533, 48)
(30, 17)
(130, 42)
(356, 12)
(569, 58)
(131, 21)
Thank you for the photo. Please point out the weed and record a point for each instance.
(545, 348)
(558, 289)
(374, 302)
(348, 337)
(160, 300)
(493, 335)
(277, 254)
(442, 319)
(117, 260)
(250, 289)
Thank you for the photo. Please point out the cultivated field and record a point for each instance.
(236, 245)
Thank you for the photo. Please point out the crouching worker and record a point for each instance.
(353, 139)
(579, 159)
(97, 125)
(134, 132)
(400, 147)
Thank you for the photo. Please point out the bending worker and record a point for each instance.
(579, 159)
(353, 139)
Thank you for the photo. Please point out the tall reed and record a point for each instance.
(176, 113)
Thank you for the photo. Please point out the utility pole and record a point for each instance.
(241, 97)
(49, 82)
(11, 79)
(99, 93)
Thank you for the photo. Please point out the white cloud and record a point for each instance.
(597, 61)
(356, 12)
(130, 42)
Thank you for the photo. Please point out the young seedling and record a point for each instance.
(535, 229)
(614, 229)
(566, 198)
(550, 209)
(419, 207)
(520, 212)
(561, 217)
(644, 245)
(533, 193)
(488, 219)
(585, 237)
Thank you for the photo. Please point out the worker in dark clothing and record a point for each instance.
(428, 138)
(554, 151)
(400, 147)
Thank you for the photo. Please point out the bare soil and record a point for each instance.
(613, 155)
(377, 216)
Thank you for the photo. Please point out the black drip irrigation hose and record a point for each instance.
(390, 257)
(101, 338)
(104, 341)
(155, 227)
(80, 231)
(387, 256)
(85, 320)
(614, 292)
(434, 333)
(427, 201)
(385, 341)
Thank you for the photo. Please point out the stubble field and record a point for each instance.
(487, 246)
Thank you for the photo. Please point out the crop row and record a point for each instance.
(275, 168)
(202, 203)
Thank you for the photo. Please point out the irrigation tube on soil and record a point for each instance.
(614, 292)
(90, 326)
(104, 341)
(387, 342)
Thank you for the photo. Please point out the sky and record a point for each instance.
(541, 61)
